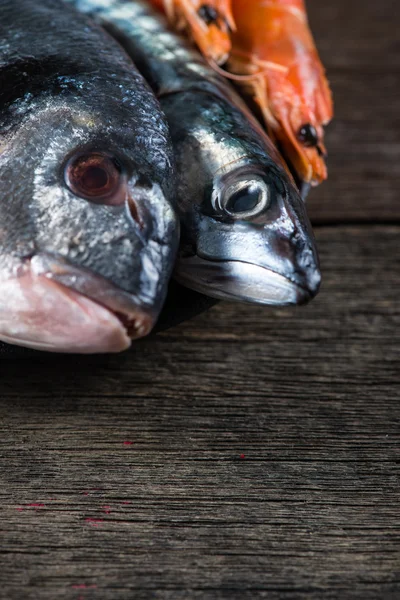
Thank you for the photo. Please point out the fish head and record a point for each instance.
(87, 233)
(254, 242)
(245, 231)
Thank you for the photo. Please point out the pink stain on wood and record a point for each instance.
(107, 509)
(31, 505)
(94, 522)
(126, 502)
(83, 586)
(87, 492)
(128, 443)
(242, 456)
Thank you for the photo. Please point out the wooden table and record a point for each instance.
(249, 453)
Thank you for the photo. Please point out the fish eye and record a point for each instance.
(308, 135)
(97, 177)
(245, 199)
(208, 14)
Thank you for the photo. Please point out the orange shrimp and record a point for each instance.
(209, 22)
(295, 102)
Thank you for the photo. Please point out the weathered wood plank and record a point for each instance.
(358, 34)
(359, 44)
(263, 455)
(364, 151)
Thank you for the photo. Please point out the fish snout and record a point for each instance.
(308, 279)
(296, 258)
(54, 306)
(243, 281)
(273, 264)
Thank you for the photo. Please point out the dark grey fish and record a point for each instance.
(87, 234)
(245, 231)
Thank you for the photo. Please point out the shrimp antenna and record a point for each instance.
(268, 66)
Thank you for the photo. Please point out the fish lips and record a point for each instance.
(53, 305)
(246, 282)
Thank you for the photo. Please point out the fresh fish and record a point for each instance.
(87, 233)
(245, 231)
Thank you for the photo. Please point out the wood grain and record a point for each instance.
(360, 47)
(358, 35)
(364, 151)
(263, 454)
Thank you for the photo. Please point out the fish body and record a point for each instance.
(87, 233)
(245, 234)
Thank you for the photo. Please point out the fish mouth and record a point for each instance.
(54, 306)
(241, 281)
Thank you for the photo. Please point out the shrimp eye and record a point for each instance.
(245, 199)
(208, 14)
(96, 177)
(308, 135)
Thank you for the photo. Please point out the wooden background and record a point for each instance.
(249, 453)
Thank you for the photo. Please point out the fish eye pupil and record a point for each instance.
(93, 176)
(308, 135)
(244, 200)
(208, 14)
